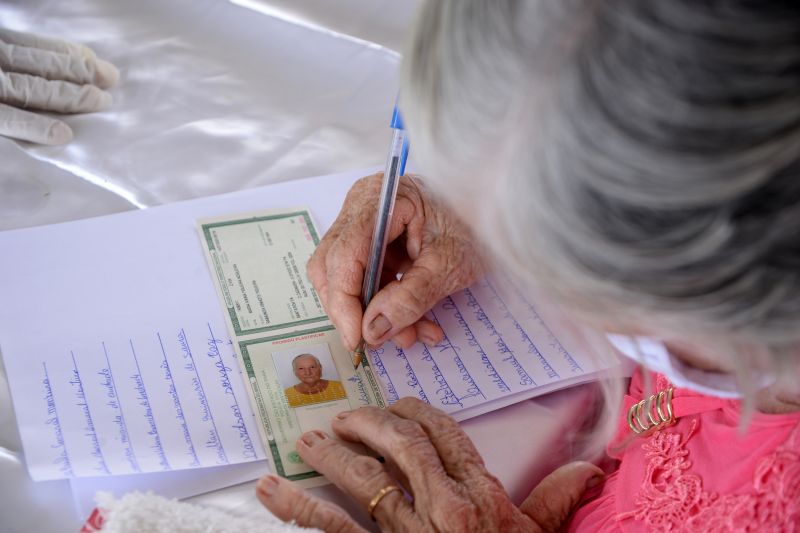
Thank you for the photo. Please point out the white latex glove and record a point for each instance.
(48, 75)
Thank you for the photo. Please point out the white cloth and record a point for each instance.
(213, 97)
(136, 512)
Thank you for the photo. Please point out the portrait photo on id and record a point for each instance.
(314, 383)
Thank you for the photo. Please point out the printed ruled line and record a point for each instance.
(495, 376)
(556, 344)
(466, 376)
(412, 376)
(574, 365)
(141, 389)
(381, 371)
(221, 455)
(62, 460)
(130, 454)
(97, 450)
(546, 366)
(249, 450)
(449, 397)
(173, 391)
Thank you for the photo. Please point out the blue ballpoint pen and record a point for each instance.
(395, 166)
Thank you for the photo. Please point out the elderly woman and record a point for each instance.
(639, 160)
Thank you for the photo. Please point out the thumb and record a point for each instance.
(552, 500)
(401, 303)
(293, 504)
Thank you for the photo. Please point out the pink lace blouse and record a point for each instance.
(700, 474)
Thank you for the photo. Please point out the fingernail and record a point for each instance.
(104, 101)
(593, 481)
(427, 339)
(312, 437)
(343, 415)
(106, 74)
(59, 133)
(268, 485)
(379, 326)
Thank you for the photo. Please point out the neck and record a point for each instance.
(773, 400)
(319, 386)
(776, 402)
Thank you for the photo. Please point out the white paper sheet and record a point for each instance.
(114, 344)
(118, 361)
(498, 349)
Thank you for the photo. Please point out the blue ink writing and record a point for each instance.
(62, 460)
(119, 419)
(144, 401)
(176, 403)
(83, 404)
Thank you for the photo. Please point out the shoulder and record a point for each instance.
(703, 472)
(336, 385)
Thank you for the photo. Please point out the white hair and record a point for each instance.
(294, 361)
(641, 159)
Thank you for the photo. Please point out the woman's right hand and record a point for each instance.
(430, 248)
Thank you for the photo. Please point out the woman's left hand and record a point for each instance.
(427, 454)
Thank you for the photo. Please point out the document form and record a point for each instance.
(122, 360)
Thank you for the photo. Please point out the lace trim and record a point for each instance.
(672, 499)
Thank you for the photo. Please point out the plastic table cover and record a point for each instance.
(215, 96)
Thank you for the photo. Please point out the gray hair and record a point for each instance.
(635, 157)
(314, 357)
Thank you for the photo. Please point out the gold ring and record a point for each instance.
(373, 503)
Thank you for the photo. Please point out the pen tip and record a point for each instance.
(358, 355)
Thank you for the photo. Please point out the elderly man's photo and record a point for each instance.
(311, 387)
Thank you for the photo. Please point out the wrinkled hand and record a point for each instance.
(48, 75)
(435, 462)
(429, 246)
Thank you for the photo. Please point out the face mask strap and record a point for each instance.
(654, 355)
